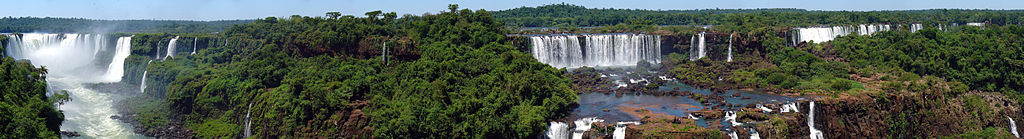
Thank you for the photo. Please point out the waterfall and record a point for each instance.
(824, 34)
(116, 68)
(171, 46)
(730, 116)
(558, 130)
(729, 59)
(815, 133)
(916, 27)
(698, 51)
(68, 54)
(765, 109)
(620, 129)
(754, 134)
(248, 122)
(1013, 127)
(791, 107)
(74, 62)
(594, 50)
(582, 125)
(194, 43)
(733, 135)
(142, 86)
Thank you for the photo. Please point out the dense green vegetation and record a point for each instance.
(79, 25)
(452, 74)
(565, 14)
(25, 110)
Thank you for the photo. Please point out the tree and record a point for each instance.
(453, 7)
(373, 14)
(333, 15)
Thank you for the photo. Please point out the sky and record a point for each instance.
(255, 9)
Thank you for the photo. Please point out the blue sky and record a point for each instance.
(252, 9)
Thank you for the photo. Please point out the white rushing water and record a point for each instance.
(171, 46)
(142, 86)
(116, 67)
(558, 130)
(582, 125)
(815, 133)
(754, 134)
(568, 51)
(730, 116)
(824, 34)
(1013, 127)
(763, 108)
(620, 129)
(194, 43)
(248, 122)
(791, 107)
(916, 27)
(729, 58)
(698, 47)
(74, 61)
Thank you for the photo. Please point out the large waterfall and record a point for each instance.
(596, 50)
(116, 67)
(916, 27)
(698, 47)
(824, 34)
(815, 133)
(74, 62)
(582, 125)
(171, 46)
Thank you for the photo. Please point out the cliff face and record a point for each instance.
(914, 115)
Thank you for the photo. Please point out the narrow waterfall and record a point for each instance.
(699, 51)
(248, 122)
(730, 117)
(824, 34)
(582, 125)
(171, 46)
(573, 51)
(194, 43)
(815, 133)
(620, 129)
(142, 86)
(733, 135)
(116, 68)
(1013, 127)
(754, 134)
(729, 59)
(558, 130)
(763, 108)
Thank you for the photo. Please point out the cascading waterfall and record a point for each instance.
(142, 86)
(620, 129)
(558, 130)
(596, 50)
(815, 133)
(824, 34)
(248, 122)
(1013, 127)
(194, 43)
(698, 51)
(729, 59)
(582, 125)
(116, 67)
(171, 46)
(74, 61)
